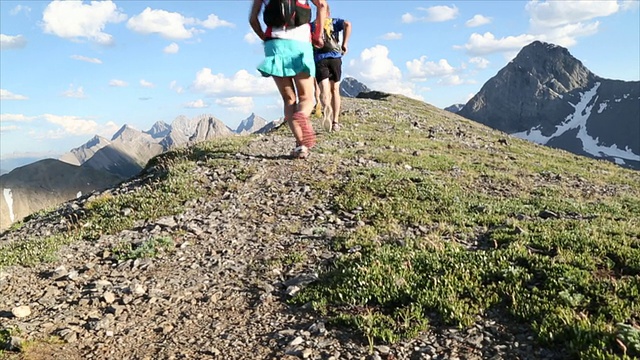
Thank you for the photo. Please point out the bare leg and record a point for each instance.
(305, 87)
(327, 110)
(304, 84)
(336, 101)
(318, 108)
(288, 92)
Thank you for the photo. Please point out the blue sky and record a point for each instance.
(73, 69)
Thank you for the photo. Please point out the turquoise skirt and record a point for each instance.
(285, 58)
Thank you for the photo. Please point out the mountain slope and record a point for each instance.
(411, 223)
(548, 96)
(81, 154)
(45, 184)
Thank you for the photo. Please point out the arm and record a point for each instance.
(321, 15)
(346, 36)
(253, 18)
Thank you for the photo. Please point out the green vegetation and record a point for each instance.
(157, 197)
(462, 229)
(147, 249)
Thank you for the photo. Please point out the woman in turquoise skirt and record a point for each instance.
(288, 49)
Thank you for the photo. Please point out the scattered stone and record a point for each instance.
(109, 297)
(21, 311)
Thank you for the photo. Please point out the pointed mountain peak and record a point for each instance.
(159, 130)
(351, 87)
(251, 124)
(121, 131)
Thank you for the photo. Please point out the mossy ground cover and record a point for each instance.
(472, 224)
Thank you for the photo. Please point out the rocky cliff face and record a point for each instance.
(548, 96)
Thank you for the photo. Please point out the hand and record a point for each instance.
(317, 41)
(345, 48)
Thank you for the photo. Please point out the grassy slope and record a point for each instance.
(457, 221)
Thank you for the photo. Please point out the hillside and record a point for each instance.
(44, 185)
(412, 234)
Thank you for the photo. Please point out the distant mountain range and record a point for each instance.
(101, 163)
(549, 97)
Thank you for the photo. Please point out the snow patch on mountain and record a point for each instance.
(578, 120)
(8, 198)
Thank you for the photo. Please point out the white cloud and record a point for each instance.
(169, 25)
(550, 14)
(108, 129)
(20, 8)
(74, 93)
(251, 37)
(73, 125)
(175, 87)
(451, 80)
(75, 20)
(241, 83)
(213, 21)
(567, 35)
(421, 69)
(392, 36)
(374, 68)
(12, 42)
(408, 18)
(433, 14)
(118, 83)
(242, 104)
(146, 84)
(198, 104)
(478, 20)
(8, 95)
(8, 128)
(172, 48)
(87, 59)
(487, 43)
(479, 62)
(557, 22)
(15, 118)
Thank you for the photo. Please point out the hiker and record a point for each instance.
(288, 50)
(329, 67)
